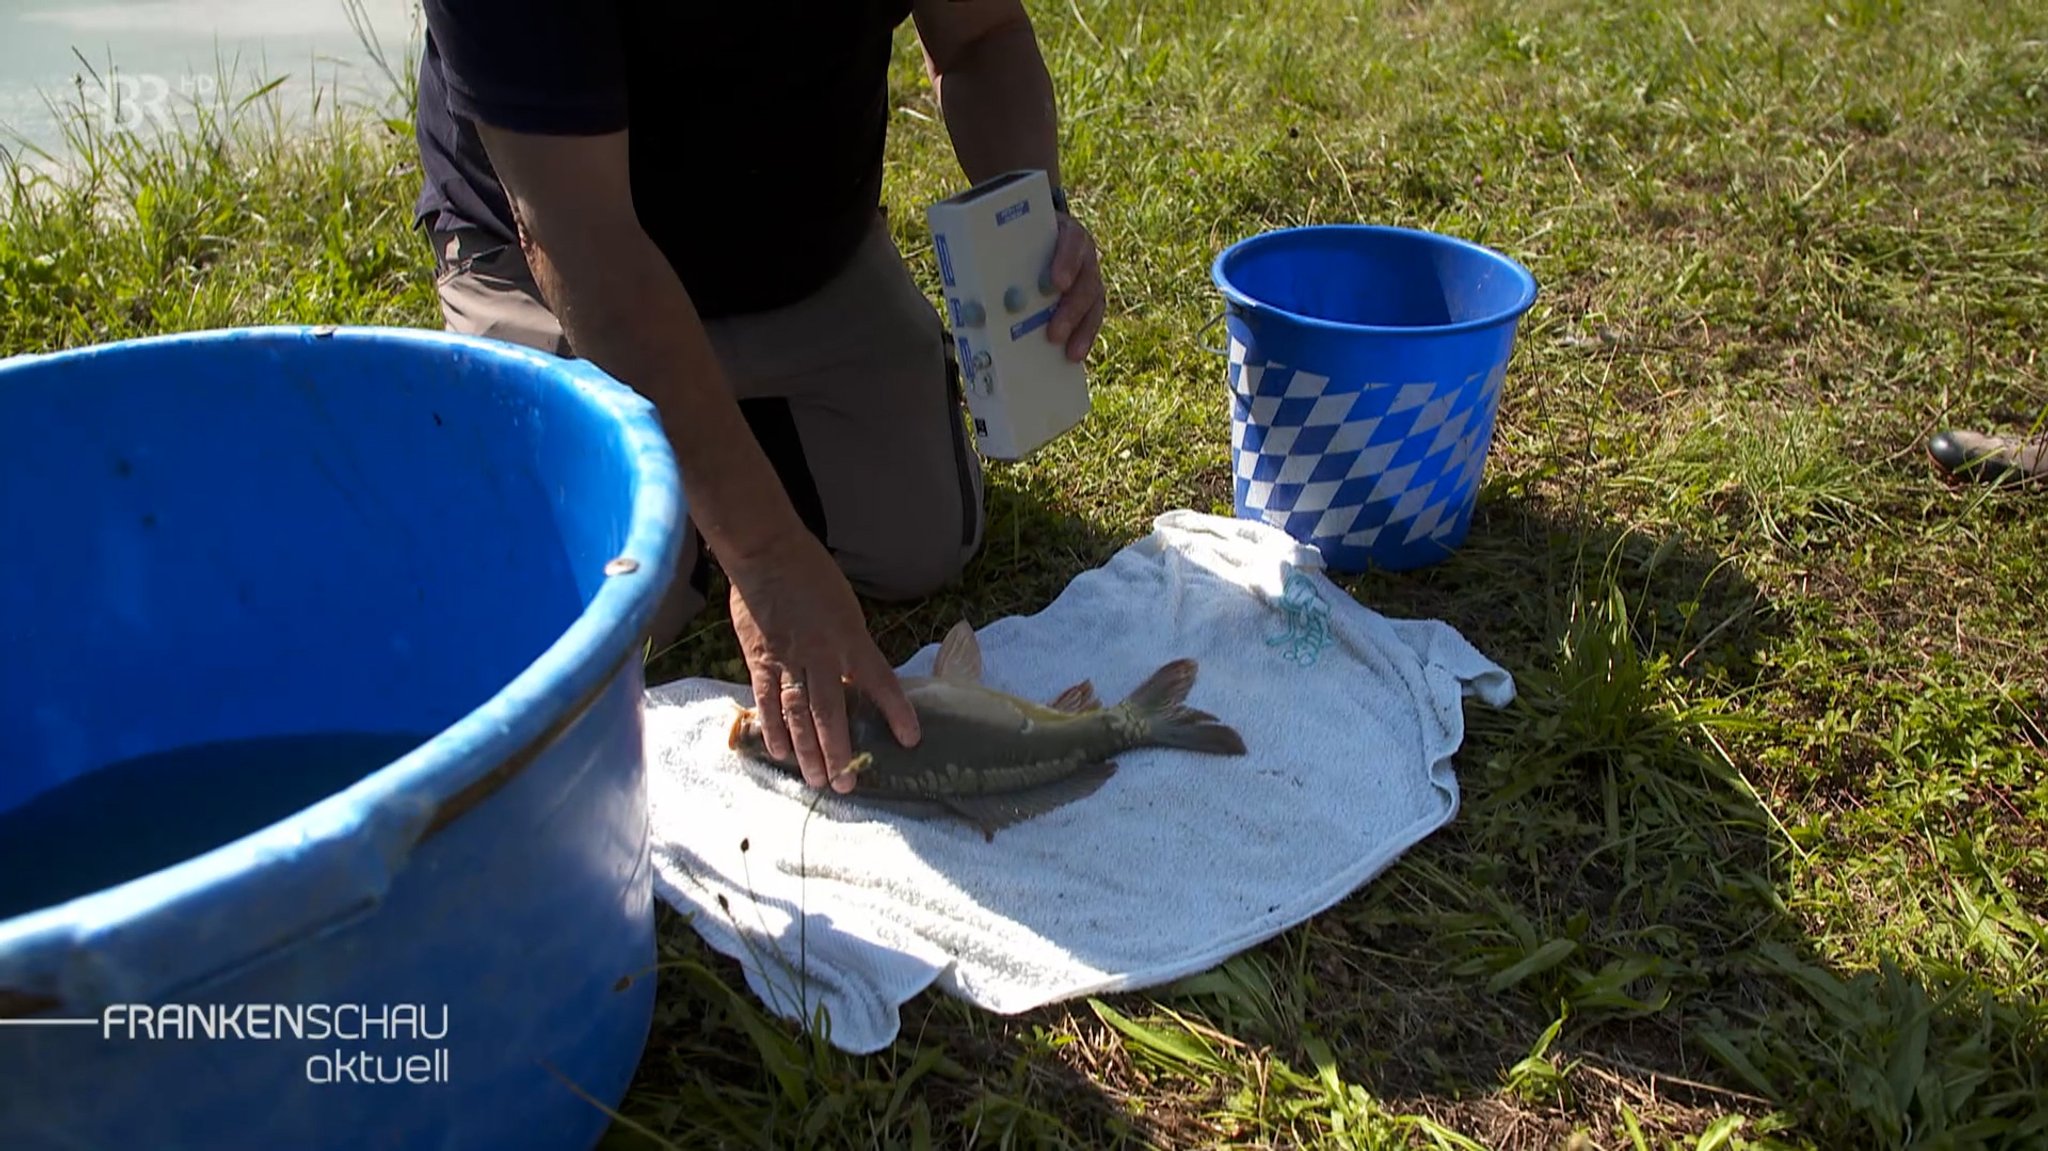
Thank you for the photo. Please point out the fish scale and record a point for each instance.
(994, 759)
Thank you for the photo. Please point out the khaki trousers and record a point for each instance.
(853, 394)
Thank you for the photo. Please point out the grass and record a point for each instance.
(1755, 860)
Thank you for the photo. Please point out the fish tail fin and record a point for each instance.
(1171, 723)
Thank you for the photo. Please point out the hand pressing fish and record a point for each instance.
(994, 759)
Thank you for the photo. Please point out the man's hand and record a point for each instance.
(1077, 277)
(805, 642)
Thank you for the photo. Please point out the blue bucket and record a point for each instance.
(1366, 365)
(322, 792)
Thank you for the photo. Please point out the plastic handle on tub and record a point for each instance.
(1203, 331)
(261, 900)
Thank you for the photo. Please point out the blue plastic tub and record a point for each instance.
(320, 742)
(1366, 366)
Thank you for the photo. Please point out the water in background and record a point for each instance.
(139, 816)
(151, 60)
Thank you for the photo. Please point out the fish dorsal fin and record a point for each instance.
(1077, 699)
(959, 655)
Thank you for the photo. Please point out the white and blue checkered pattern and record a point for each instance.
(1387, 472)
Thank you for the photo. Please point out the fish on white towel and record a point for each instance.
(1172, 867)
(994, 759)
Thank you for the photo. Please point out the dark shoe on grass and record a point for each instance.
(1977, 456)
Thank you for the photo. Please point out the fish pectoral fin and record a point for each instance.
(959, 655)
(1077, 699)
(992, 813)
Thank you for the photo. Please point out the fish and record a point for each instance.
(993, 759)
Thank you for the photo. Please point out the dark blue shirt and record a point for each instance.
(755, 129)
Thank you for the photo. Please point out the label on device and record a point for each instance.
(1023, 328)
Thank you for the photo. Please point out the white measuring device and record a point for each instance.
(994, 244)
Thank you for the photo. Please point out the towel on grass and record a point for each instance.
(1178, 862)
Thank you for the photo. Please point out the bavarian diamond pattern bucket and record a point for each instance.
(1366, 367)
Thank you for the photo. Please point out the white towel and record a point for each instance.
(1178, 862)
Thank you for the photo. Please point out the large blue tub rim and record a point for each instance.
(1311, 234)
(359, 838)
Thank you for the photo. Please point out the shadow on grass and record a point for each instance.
(1601, 939)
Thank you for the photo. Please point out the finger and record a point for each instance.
(796, 707)
(1084, 335)
(1086, 294)
(1070, 252)
(828, 715)
(768, 701)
